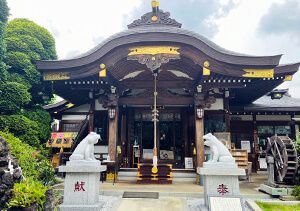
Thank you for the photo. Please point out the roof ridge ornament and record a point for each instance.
(155, 18)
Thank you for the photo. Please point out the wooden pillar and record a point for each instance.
(112, 136)
(293, 128)
(199, 133)
(130, 135)
(255, 150)
(91, 116)
(227, 113)
(123, 135)
(185, 128)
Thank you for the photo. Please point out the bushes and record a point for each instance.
(296, 192)
(22, 127)
(32, 163)
(28, 193)
(32, 128)
(43, 120)
(13, 97)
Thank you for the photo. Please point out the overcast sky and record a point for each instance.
(257, 27)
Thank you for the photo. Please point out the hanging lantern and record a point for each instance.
(200, 113)
(111, 113)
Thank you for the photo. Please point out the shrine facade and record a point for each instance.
(200, 88)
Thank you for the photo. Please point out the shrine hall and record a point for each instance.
(156, 88)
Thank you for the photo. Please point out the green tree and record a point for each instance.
(13, 96)
(3, 19)
(27, 42)
(43, 120)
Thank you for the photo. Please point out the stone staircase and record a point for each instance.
(179, 175)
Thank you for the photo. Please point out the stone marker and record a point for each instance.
(221, 173)
(222, 203)
(82, 182)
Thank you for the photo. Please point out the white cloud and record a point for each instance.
(238, 31)
(75, 24)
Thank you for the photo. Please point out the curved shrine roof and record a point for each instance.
(144, 34)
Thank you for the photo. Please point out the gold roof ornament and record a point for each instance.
(155, 5)
(155, 18)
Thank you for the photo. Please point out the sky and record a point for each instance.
(256, 27)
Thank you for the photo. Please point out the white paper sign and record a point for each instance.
(246, 145)
(263, 163)
(188, 163)
(148, 154)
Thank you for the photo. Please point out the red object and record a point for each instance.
(79, 186)
(222, 189)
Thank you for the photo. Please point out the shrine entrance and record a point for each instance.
(170, 141)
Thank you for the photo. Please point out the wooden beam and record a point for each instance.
(160, 101)
(160, 84)
(112, 136)
(199, 133)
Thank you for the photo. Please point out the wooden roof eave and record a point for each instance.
(285, 69)
(160, 34)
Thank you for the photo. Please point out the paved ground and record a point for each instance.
(248, 189)
(174, 197)
(162, 204)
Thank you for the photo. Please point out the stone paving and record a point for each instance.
(116, 203)
(174, 197)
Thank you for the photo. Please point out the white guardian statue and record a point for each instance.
(85, 149)
(220, 153)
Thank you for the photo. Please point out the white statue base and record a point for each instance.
(220, 179)
(82, 183)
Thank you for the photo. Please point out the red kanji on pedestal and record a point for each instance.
(79, 186)
(222, 189)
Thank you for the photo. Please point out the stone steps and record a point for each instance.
(179, 175)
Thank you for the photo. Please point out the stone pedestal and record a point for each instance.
(82, 183)
(220, 179)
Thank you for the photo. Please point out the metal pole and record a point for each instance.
(155, 116)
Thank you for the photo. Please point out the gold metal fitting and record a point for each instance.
(102, 66)
(155, 4)
(154, 18)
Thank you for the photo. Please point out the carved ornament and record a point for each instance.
(259, 73)
(154, 56)
(56, 76)
(204, 101)
(161, 18)
(153, 50)
(109, 100)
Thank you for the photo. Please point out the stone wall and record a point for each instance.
(10, 173)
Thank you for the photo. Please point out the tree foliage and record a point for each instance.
(3, 19)
(4, 11)
(13, 96)
(43, 120)
(25, 27)
(22, 127)
(27, 42)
